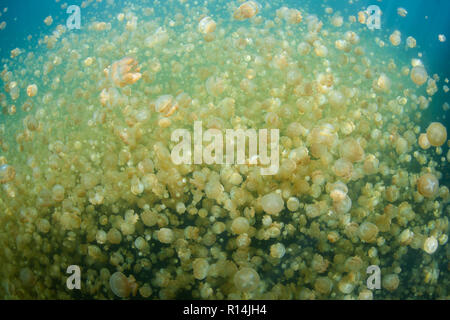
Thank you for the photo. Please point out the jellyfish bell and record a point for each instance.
(206, 25)
(158, 38)
(122, 286)
(395, 38)
(123, 72)
(423, 141)
(436, 134)
(411, 42)
(32, 90)
(402, 12)
(166, 105)
(419, 75)
(246, 279)
(7, 173)
(430, 245)
(428, 185)
(247, 10)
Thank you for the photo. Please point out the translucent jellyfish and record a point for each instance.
(240, 225)
(411, 42)
(7, 173)
(430, 245)
(395, 38)
(362, 17)
(277, 250)
(247, 10)
(122, 286)
(442, 38)
(383, 83)
(165, 235)
(166, 105)
(390, 282)
(215, 85)
(206, 25)
(291, 16)
(123, 72)
(246, 279)
(402, 12)
(159, 37)
(48, 21)
(436, 134)
(428, 185)
(272, 203)
(419, 75)
(32, 90)
(351, 150)
(200, 268)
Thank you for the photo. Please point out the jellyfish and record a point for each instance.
(206, 25)
(123, 72)
(247, 10)
(121, 285)
(7, 173)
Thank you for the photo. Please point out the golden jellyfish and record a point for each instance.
(215, 86)
(200, 268)
(351, 150)
(158, 38)
(323, 285)
(419, 75)
(165, 235)
(383, 83)
(32, 90)
(423, 141)
(247, 10)
(240, 225)
(293, 16)
(123, 72)
(402, 12)
(343, 168)
(272, 203)
(362, 17)
(58, 193)
(343, 205)
(442, 38)
(436, 134)
(206, 25)
(277, 250)
(246, 279)
(166, 105)
(390, 282)
(368, 232)
(337, 20)
(48, 21)
(430, 245)
(122, 286)
(7, 173)
(411, 42)
(395, 38)
(428, 185)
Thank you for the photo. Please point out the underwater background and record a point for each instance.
(87, 179)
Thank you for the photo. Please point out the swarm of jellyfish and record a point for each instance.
(87, 179)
